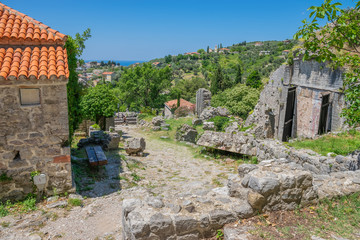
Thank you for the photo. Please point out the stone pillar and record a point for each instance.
(203, 100)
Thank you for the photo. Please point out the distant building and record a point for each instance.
(108, 76)
(258, 44)
(170, 106)
(192, 53)
(215, 49)
(286, 41)
(264, 53)
(224, 50)
(157, 64)
(285, 52)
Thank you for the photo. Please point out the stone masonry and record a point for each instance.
(203, 100)
(34, 138)
(312, 81)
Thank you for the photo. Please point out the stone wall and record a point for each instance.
(203, 100)
(312, 80)
(34, 138)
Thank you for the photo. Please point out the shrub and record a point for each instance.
(239, 100)
(95, 126)
(183, 111)
(254, 80)
(220, 123)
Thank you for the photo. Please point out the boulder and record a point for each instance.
(186, 133)
(197, 121)
(157, 121)
(211, 112)
(135, 146)
(209, 126)
(232, 128)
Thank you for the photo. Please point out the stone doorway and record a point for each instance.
(324, 112)
(289, 114)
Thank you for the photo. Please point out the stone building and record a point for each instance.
(302, 100)
(33, 106)
(171, 105)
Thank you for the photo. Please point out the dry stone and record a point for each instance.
(135, 146)
(186, 133)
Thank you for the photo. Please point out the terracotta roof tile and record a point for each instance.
(29, 49)
(32, 62)
(183, 103)
(20, 27)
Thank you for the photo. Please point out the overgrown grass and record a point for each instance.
(338, 217)
(340, 144)
(75, 202)
(25, 206)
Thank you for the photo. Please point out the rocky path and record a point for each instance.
(168, 170)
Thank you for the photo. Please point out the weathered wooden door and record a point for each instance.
(289, 114)
(324, 114)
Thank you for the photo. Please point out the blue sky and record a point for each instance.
(147, 29)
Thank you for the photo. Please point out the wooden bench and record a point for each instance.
(96, 156)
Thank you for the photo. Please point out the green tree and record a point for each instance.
(98, 103)
(337, 42)
(188, 88)
(168, 58)
(201, 51)
(239, 100)
(207, 49)
(238, 77)
(143, 86)
(75, 47)
(254, 79)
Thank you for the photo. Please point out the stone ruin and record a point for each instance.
(203, 100)
(277, 184)
(135, 146)
(301, 100)
(107, 140)
(186, 133)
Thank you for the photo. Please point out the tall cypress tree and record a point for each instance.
(238, 77)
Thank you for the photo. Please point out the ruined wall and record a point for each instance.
(312, 80)
(203, 100)
(34, 138)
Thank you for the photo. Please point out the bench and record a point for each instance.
(96, 156)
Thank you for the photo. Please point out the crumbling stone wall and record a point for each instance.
(34, 138)
(312, 81)
(203, 100)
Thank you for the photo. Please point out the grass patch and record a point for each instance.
(74, 202)
(339, 217)
(340, 144)
(25, 206)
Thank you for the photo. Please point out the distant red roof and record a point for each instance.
(156, 63)
(183, 103)
(107, 73)
(192, 53)
(224, 49)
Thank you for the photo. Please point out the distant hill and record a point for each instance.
(263, 57)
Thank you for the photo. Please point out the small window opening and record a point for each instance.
(17, 156)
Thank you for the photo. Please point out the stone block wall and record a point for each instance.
(203, 100)
(312, 80)
(34, 138)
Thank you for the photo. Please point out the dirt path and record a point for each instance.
(169, 169)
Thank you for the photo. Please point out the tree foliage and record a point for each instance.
(239, 100)
(188, 88)
(75, 47)
(144, 86)
(254, 80)
(337, 42)
(99, 102)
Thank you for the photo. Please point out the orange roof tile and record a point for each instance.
(183, 103)
(20, 29)
(29, 50)
(107, 73)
